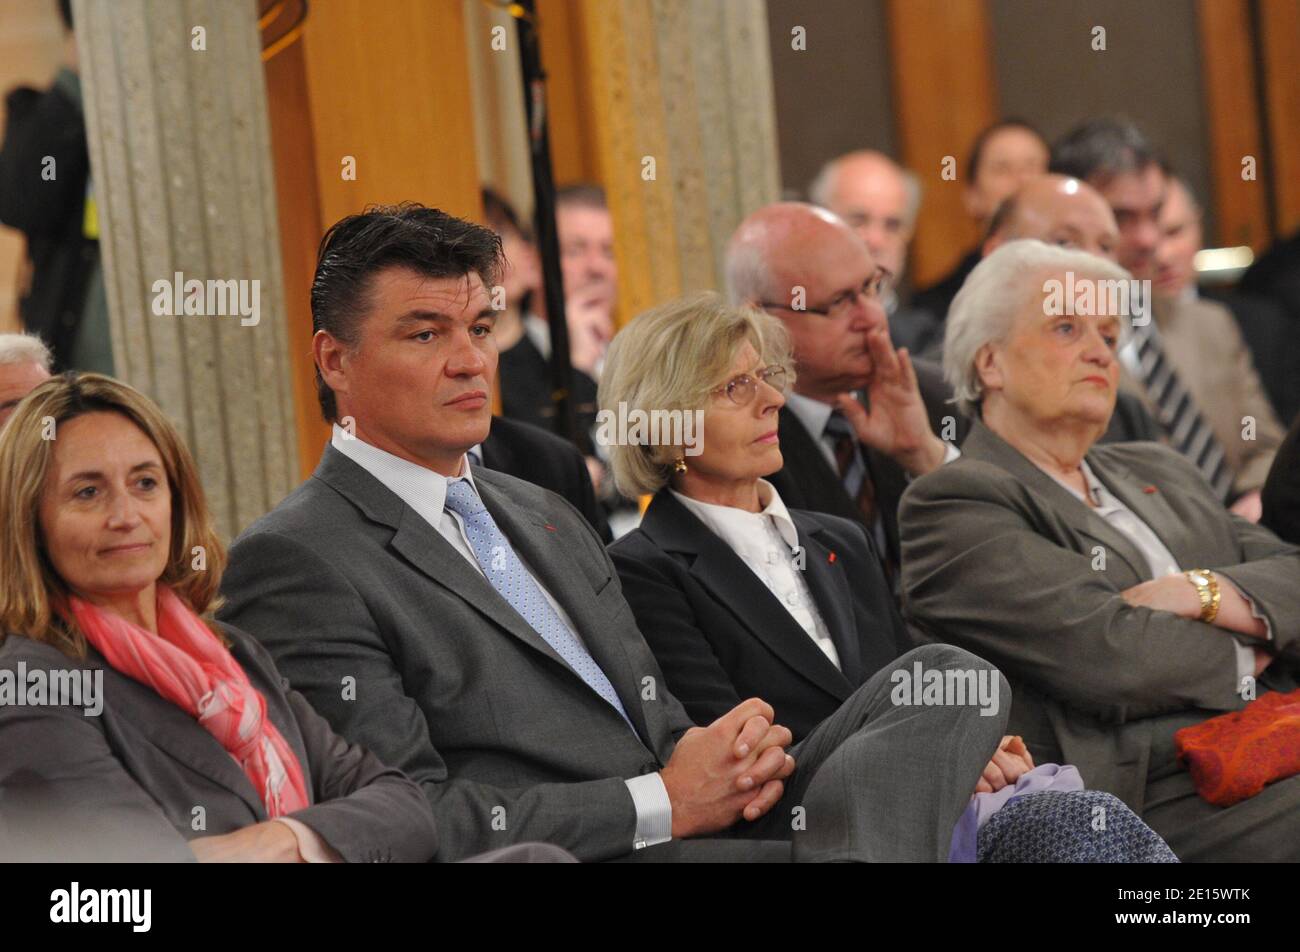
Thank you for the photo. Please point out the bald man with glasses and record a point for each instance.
(863, 418)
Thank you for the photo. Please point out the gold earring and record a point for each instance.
(679, 465)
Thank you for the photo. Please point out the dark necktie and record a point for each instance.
(845, 444)
(1177, 413)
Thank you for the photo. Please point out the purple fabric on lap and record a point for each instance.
(965, 834)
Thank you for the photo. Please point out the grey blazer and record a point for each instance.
(133, 783)
(1002, 560)
(407, 649)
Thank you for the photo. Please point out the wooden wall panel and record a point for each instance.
(390, 85)
(943, 95)
(1280, 40)
(1233, 123)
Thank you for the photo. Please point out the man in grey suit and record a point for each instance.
(471, 628)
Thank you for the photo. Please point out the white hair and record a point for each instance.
(985, 309)
(819, 190)
(24, 348)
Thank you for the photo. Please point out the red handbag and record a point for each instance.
(1234, 756)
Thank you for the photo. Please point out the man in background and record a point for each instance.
(1003, 157)
(586, 232)
(1207, 401)
(1264, 326)
(880, 200)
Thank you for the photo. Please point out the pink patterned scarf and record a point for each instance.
(186, 664)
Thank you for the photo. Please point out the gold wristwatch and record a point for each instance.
(1207, 587)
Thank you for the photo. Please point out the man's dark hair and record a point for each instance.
(65, 13)
(500, 215)
(1100, 149)
(582, 195)
(425, 240)
(987, 133)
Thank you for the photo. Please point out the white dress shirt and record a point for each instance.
(1159, 559)
(426, 492)
(767, 542)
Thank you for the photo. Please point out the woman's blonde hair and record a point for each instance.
(671, 358)
(31, 591)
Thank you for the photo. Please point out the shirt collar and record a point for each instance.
(418, 486)
(734, 524)
(813, 414)
(1096, 488)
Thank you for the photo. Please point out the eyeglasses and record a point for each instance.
(741, 390)
(872, 289)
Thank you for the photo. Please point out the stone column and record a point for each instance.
(681, 92)
(176, 116)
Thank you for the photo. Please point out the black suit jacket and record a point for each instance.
(1281, 493)
(1275, 347)
(721, 636)
(540, 457)
(809, 481)
(938, 297)
(124, 785)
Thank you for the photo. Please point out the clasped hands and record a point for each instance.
(734, 767)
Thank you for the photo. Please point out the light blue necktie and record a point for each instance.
(509, 577)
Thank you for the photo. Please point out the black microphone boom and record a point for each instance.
(548, 242)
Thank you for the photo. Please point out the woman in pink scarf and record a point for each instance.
(181, 741)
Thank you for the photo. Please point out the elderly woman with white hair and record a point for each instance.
(1123, 602)
(739, 597)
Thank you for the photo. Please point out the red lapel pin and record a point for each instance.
(549, 527)
(1149, 490)
(831, 557)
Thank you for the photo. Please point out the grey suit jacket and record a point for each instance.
(406, 648)
(1002, 560)
(128, 784)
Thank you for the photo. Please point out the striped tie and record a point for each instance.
(1176, 411)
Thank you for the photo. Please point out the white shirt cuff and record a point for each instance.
(311, 847)
(654, 811)
(950, 453)
(1246, 653)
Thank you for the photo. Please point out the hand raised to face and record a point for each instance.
(896, 423)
